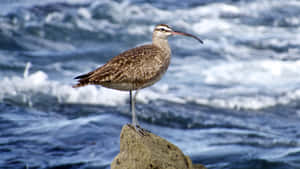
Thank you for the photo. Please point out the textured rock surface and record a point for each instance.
(149, 152)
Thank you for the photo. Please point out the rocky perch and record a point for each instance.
(149, 152)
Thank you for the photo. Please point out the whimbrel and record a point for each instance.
(135, 68)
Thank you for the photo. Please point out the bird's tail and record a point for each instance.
(83, 80)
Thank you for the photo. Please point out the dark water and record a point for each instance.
(232, 103)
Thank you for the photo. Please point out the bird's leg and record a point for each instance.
(135, 124)
(132, 108)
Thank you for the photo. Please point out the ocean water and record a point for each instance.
(231, 103)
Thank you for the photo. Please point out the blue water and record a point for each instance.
(232, 103)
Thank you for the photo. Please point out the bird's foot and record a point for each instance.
(141, 131)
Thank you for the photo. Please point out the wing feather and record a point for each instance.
(137, 65)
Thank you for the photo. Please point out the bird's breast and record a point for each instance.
(157, 70)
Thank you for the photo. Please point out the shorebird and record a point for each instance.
(135, 68)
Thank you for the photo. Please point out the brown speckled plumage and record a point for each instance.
(133, 69)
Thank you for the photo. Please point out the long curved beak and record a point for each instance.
(187, 34)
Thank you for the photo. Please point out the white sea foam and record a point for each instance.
(204, 22)
(247, 93)
(38, 83)
(269, 74)
(201, 20)
(253, 84)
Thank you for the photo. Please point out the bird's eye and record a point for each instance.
(162, 29)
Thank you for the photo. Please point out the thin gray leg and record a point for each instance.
(135, 123)
(132, 108)
(135, 119)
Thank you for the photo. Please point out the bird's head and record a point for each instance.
(164, 31)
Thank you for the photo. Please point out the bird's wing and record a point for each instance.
(132, 66)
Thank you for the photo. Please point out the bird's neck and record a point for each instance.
(161, 43)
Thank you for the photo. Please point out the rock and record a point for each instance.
(149, 152)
